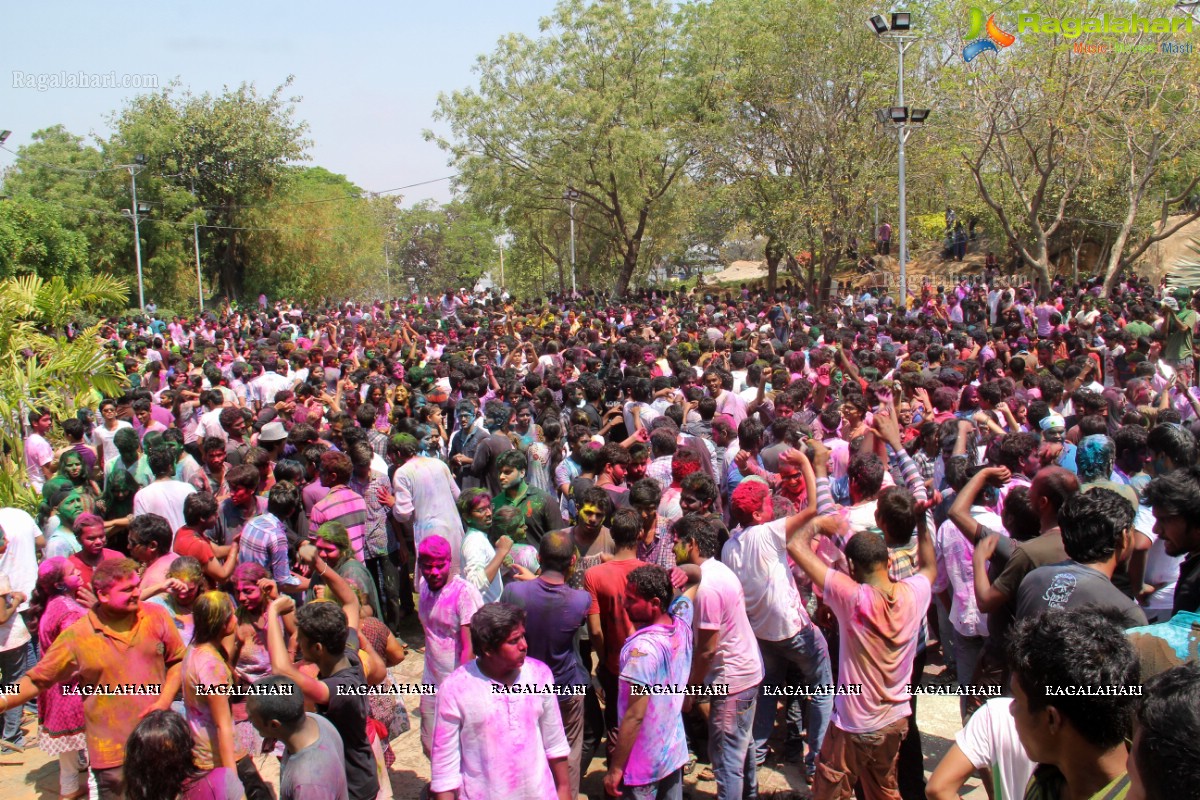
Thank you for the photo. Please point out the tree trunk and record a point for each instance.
(628, 267)
(774, 252)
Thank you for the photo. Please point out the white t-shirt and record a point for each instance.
(721, 606)
(104, 437)
(19, 561)
(38, 453)
(990, 741)
(758, 557)
(477, 553)
(164, 498)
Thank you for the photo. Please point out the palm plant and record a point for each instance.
(39, 366)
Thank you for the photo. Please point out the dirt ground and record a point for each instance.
(33, 774)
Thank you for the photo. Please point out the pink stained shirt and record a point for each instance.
(879, 641)
(443, 613)
(488, 744)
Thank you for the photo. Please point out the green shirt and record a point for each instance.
(1179, 342)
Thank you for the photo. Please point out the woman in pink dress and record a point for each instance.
(54, 608)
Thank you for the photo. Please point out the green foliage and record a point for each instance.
(61, 375)
(35, 239)
(605, 102)
(445, 247)
(306, 246)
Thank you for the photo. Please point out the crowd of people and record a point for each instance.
(686, 531)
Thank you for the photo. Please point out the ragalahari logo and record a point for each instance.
(983, 35)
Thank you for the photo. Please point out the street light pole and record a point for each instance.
(196, 241)
(898, 35)
(902, 44)
(139, 163)
(572, 196)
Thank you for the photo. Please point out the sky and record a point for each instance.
(368, 73)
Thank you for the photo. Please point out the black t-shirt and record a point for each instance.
(1187, 590)
(348, 712)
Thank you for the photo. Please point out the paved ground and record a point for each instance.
(35, 775)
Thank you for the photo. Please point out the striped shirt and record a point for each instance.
(264, 542)
(346, 506)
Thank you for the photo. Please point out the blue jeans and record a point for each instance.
(807, 651)
(668, 788)
(13, 665)
(730, 734)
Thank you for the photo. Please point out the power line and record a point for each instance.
(364, 194)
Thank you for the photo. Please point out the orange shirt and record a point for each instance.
(96, 655)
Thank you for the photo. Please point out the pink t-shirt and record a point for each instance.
(721, 607)
(879, 641)
(443, 614)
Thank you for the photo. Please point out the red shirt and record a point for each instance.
(85, 571)
(189, 542)
(606, 584)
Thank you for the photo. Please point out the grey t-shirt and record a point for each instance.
(318, 772)
(1071, 585)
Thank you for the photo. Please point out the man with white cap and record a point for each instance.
(272, 438)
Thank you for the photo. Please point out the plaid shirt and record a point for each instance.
(265, 542)
(346, 506)
(376, 541)
(378, 441)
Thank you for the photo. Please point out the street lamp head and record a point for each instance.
(4, 136)
(878, 24)
(143, 208)
(571, 194)
(898, 114)
(901, 21)
(140, 159)
(919, 115)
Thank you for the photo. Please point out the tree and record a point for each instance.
(443, 247)
(35, 239)
(78, 193)
(797, 145)
(40, 365)
(1041, 122)
(233, 150)
(321, 237)
(604, 103)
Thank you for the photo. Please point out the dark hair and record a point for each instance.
(866, 550)
(625, 527)
(1176, 494)
(158, 757)
(702, 486)
(1174, 442)
(695, 528)
(512, 459)
(866, 472)
(197, 506)
(1018, 516)
(151, 529)
(324, 624)
(645, 493)
(612, 453)
(162, 461)
(283, 500)
(598, 497)
(1015, 448)
(493, 624)
(651, 582)
(1167, 749)
(897, 514)
(555, 552)
(1092, 524)
(243, 476)
(283, 702)
(1077, 648)
(663, 442)
(337, 465)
